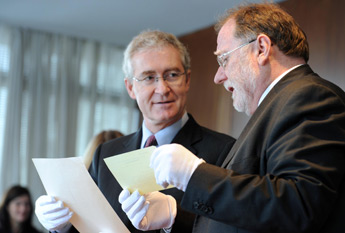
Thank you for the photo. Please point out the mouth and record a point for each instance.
(230, 89)
(164, 102)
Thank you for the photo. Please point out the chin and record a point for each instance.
(167, 117)
(21, 220)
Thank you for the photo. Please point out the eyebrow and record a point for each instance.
(172, 69)
(148, 72)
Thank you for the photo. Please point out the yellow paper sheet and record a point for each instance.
(132, 170)
(68, 180)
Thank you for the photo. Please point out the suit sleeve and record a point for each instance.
(293, 182)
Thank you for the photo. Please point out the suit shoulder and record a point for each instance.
(311, 82)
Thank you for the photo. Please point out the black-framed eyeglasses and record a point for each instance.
(223, 58)
(170, 77)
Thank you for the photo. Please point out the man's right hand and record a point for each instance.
(51, 213)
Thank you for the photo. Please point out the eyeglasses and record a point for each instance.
(223, 58)
(170, 77)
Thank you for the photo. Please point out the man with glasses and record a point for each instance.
(157, 75)
(286, 171)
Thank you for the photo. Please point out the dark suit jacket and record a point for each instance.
(285, 172)
(213, 147)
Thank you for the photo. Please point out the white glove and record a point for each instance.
(151, 211)
(173, 164)
(51, 213)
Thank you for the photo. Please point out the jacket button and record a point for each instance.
(204, 208)
(196, 205)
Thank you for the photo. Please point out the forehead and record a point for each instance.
(22, 198)
(226, 35)
(156, 59)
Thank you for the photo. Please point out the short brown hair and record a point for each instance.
(269, 19)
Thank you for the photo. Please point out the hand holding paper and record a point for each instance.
(151, 211)
(68, 180)
(51, 213)
(173, 164)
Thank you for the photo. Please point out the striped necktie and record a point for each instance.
(151, 141)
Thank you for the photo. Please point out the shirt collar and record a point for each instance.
(269, 88)
(166, 135)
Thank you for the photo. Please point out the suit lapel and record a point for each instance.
(189, 135)
(239, 142)
(133, 142)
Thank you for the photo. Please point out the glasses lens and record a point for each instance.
(221, 61)
(171, 77)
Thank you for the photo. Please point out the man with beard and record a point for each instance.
(285, 172)
(157, 75)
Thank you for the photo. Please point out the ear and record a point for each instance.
(188, 77)
(264, 49)
(129, 87)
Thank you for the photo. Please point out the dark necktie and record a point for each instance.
(151, 141)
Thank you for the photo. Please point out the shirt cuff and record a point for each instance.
(167, 230)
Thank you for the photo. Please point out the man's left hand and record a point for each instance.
(173, 164)
(151, 211)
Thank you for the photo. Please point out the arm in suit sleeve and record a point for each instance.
(292, 182)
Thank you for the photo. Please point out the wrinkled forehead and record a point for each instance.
(156, 60)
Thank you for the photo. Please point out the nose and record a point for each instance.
(161, 86)
(220, 76)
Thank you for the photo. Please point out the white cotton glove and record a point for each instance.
(51, 213)
(151, 211)
(173, 164)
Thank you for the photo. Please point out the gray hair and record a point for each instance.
(152, 39)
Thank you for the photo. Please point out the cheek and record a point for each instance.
(233, 71)
(11, 210)
(181, 93)
(143, 102)
(14, 212)
(141, 96)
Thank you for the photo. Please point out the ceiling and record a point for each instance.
(113, 21)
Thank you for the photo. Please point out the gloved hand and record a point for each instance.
(173, 164)
(151, 211)
(51, 213)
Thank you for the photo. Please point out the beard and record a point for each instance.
(244, 88)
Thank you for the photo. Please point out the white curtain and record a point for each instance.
(56, 92)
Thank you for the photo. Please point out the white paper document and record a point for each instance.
(68, 180)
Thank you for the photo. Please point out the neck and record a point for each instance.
(285, 64)
(156, 127)
(269, 73)
(16, 227)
